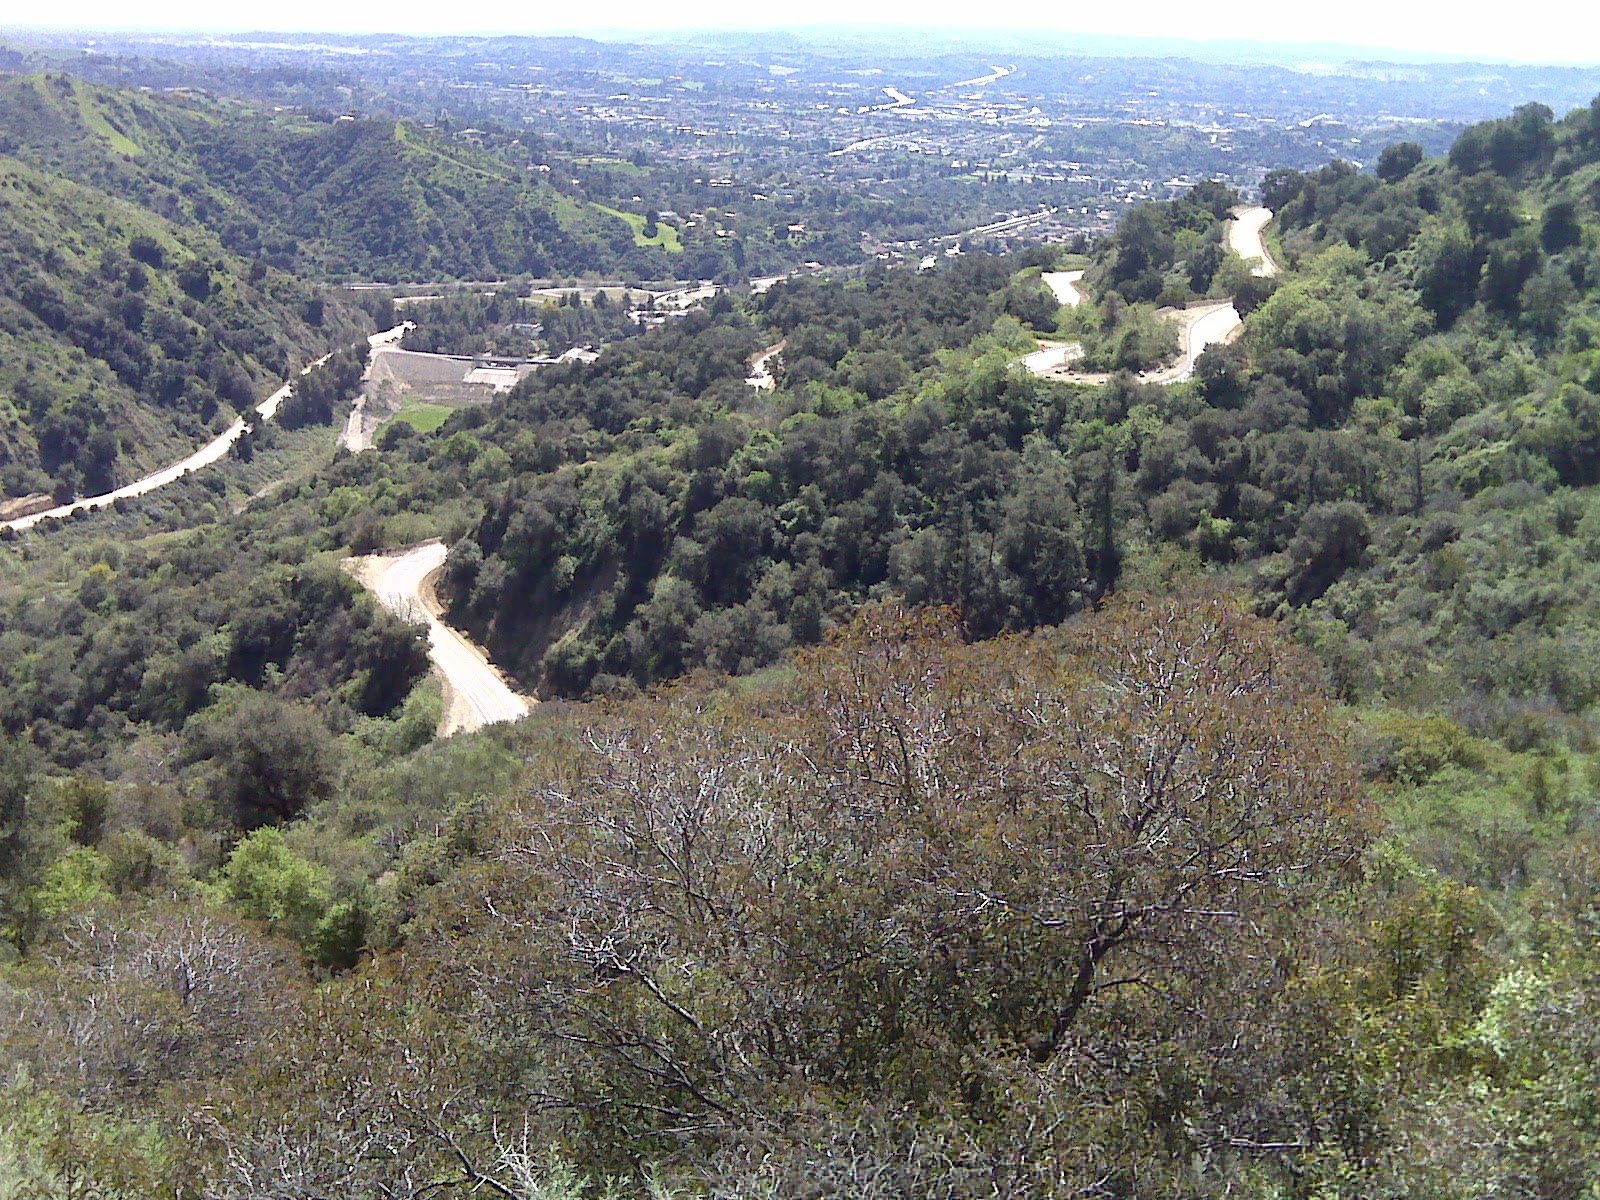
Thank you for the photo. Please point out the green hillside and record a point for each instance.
(126, 339)
(375, 198)
(320, 196)
(155, 253)
(1062, 790)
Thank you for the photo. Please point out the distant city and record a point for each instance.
(899, 148)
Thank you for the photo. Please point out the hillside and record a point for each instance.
(1394, 456)
(1062, 789)
(653, 511)
(126, 340)
(318, 194)
(159, 253)
(377, 199)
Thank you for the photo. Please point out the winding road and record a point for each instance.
(476, 694)
(761, 377)
(1065, 285)
(211, 452)
(1201, 325)
(1244, 239)
(995, 73)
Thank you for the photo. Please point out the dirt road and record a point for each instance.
(1065, 285)
(761, 377)
(211, 452)
(475, 693)
(1200, 326)
(1244, 239)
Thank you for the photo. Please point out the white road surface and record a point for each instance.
(761, 377)
(994, 74)
(1201, 326)
(1209, 327)
(1052, 358)
(211, 452)
(478, 695)
(1244, 239)
(1065, 285)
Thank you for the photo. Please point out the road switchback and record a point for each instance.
(476, 695)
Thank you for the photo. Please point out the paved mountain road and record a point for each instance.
(761, 377)
(211, 452)
(1200, 326)
(1244, 239)
(1065, 285)
(476, 693)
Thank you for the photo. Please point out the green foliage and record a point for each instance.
(1398, 161)
(118, 365)
(266, 881)
(1411, 750)
(326, 392)
(269, 758)
(1169, 253)
(156, 639)
(1127, 337)
(30, 842)
(851, 921)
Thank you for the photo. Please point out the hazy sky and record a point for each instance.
(1532, 30)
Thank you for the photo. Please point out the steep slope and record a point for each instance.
(126, 338)
(376, 198)
(321, 194)
(149, 248)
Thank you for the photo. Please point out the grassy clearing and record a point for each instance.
(99, 123)
(666, 236)
(423, 416)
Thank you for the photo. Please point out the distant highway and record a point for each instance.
(684, 297)
(476, 694)
(211, 452)
(995, 73)
(1001, 226)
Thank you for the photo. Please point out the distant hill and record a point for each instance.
(386, 199)
(325, 195)
(157, 252)
(127, 330)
